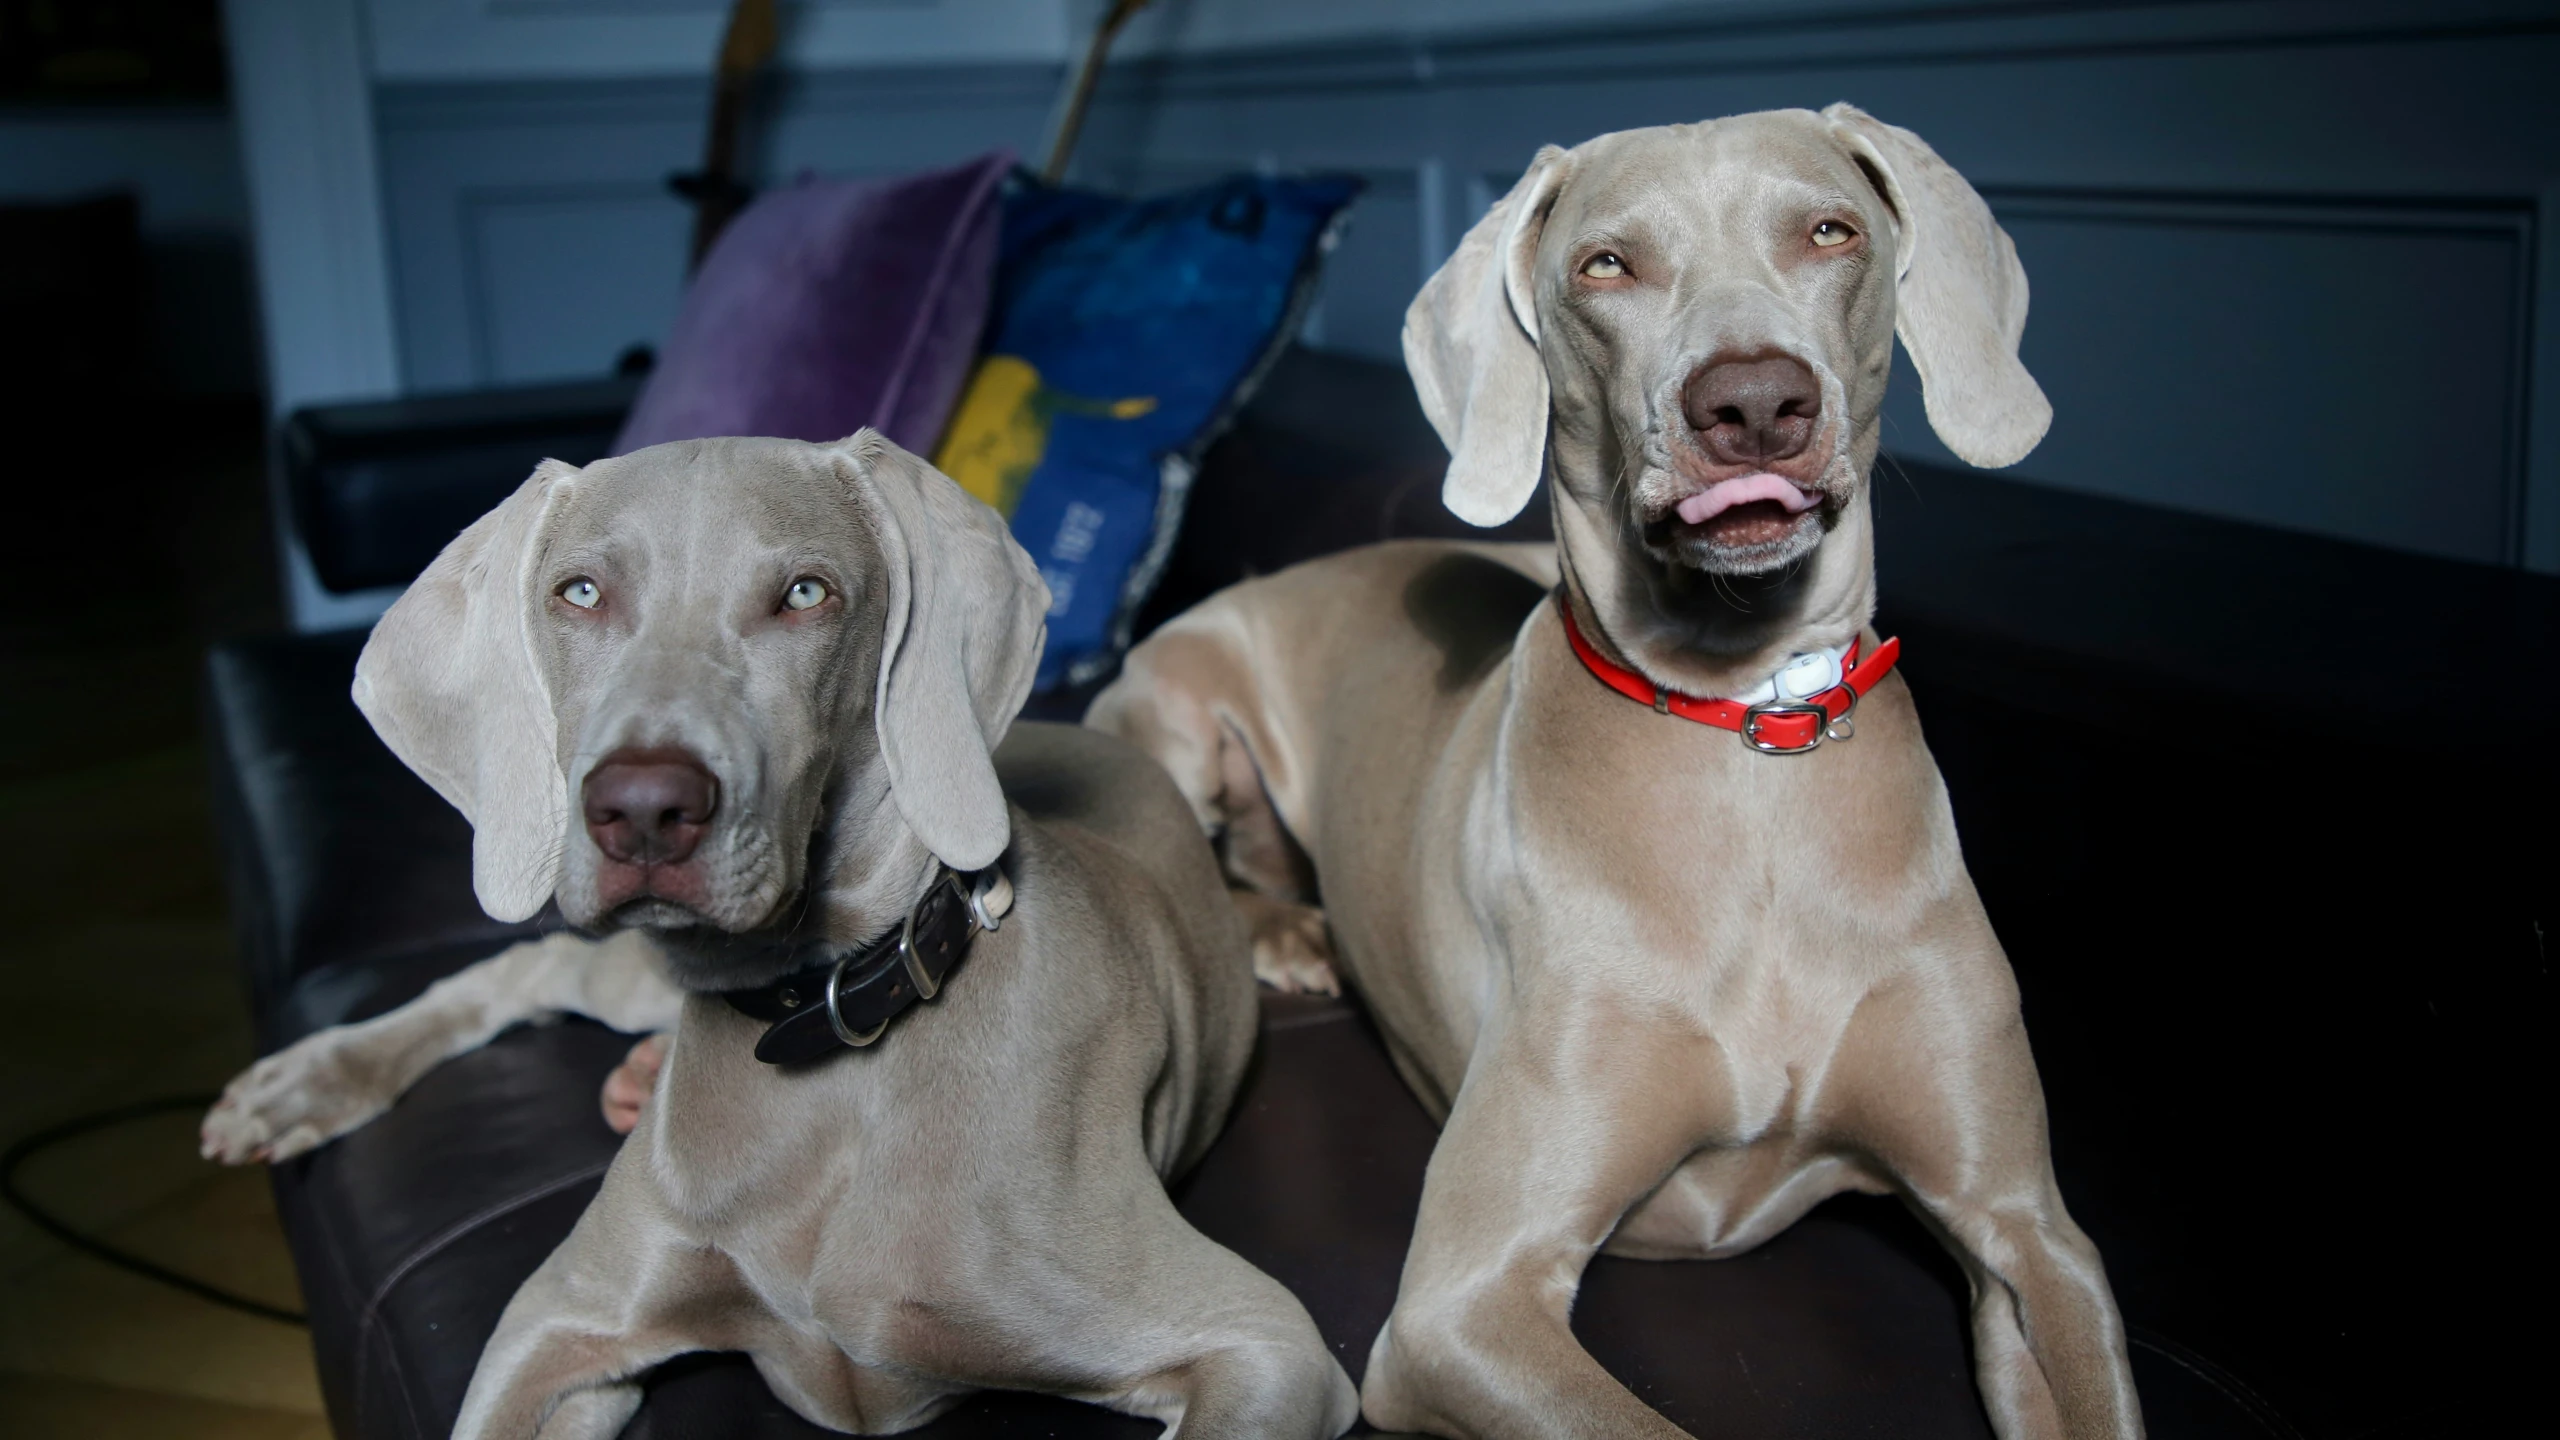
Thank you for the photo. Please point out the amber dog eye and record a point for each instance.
(1604, 266)
(804, 594)
(1832, 232)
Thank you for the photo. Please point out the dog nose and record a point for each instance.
(649, 807)
(1751, 412)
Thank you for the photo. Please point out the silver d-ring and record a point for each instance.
(835, 1009)
(1846, 727)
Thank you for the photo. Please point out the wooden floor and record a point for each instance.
(117, 981)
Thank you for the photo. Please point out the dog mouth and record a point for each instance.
(668, 900)
(656, 912)
(1733, 522)
(666, 914)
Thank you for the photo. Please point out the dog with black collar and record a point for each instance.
(952, 996)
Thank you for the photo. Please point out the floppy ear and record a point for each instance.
(1962, 302)
(448, 681)
(967, 616)
(1471, 344)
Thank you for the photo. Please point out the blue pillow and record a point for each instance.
(1125, 334)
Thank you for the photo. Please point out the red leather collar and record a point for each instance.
(1777, 726)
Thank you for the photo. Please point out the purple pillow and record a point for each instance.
(829, 306)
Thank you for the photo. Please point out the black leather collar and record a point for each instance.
(849, 1002)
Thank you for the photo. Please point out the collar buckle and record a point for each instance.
(865, 990)
(1808, 719)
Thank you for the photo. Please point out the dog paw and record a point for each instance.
(1292, 949)
(632, 1082)
(292, 1101)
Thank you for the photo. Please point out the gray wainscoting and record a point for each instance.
(2292, 261)
(532, 233)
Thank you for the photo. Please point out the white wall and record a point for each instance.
(304, 106)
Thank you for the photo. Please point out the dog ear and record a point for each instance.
(968, 614)
(1471, 344)
(1962, 301)
(449, 682)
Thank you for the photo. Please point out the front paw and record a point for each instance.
(1292, 949)
(292, 1101)
(632, 1082)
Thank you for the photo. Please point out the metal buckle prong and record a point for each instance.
(926, 989)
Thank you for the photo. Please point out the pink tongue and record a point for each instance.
(1725, 494)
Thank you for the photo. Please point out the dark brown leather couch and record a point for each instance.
(2263, 820)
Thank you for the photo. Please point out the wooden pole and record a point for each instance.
(754, 33)
(1079, 93)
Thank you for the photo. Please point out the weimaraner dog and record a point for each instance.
(772, 675)
(1669, 990)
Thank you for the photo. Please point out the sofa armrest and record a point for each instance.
(378, 487)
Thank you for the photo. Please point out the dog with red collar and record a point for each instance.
(1632, 844)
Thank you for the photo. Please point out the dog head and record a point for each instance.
(1690, 328)
(739, 692)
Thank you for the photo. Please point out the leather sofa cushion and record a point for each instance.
(412, 1233)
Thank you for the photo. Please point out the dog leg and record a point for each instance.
(1182, 1330)
(1962, 1128)
(571, 1350)
(1159, 704)
(1532, 1172)
(327, 1084)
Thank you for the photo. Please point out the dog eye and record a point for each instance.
(1832, 232)
(582, 592)
(1604, 266)
(803, 594)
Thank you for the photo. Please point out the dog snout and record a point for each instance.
(1754, 412)
(649, 807)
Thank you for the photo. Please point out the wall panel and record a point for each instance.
(2350, 368)
(2284, 255)
(565, 280)
(2277, 221)
(532, 233)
